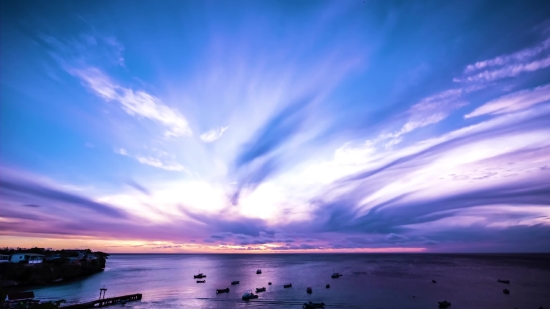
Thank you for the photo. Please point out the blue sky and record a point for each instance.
(276, 126)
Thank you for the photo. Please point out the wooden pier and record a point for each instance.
(104, 302)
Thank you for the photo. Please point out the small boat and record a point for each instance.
(259, 271)
(444, 304)
(269, 283)
(248, 295)
(327, 286)
(336, 275)
(287, 285)
(503, 281)
(314, 305)
(234, 282)
(226, 290)
(309, 290)
(260, 289)
(433, 281)
(200, 275)
(201, 281)
(506, 291)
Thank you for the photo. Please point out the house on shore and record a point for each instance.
(4, 258)
(30, 258)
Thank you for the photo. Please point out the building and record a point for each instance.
(4, 258)
(31, 258)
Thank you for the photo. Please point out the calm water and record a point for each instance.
(369, 281)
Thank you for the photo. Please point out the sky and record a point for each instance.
(275, 126)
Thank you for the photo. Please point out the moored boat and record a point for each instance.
(503, 281)
(336, 275)
(201, 281)
(234, 282)
(506, 291)
(260, 289)
(259, 271)
(269, 283)
(444, 304)
(248, 295)
(200, 275)
(327, 286)
(314, 305)
(226, 290)
(287, 285)
(309, 290)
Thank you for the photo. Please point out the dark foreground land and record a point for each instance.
(57, 266)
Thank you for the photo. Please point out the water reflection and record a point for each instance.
(378, 280)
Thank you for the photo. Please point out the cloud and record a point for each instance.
(169, 166)
(134, 102)
(138, 187)
(429, 110)
(508, 65)
(213, 134)
(513, 102)
(520, 56)
(34, 190)
(279, 129)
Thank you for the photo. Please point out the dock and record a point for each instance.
(104, 302)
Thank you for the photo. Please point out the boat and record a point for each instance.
(287, 285)
(506, 291)
(433, 281)
(200, 275)
(201, 281)
(260, 289)
(259, 271)
(503, 281)
(314, 305)
(309, 290)
(248, 295)
(336, 275)
(269, 283)
(327, 286)
(226, 290)
(234, 282)
(444, 304)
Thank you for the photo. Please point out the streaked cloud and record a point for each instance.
(155, 162)
(213, 134)
(513, 102)
(509, 65)
(346, 132)
(136, 103)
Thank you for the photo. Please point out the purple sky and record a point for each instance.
(278, 126)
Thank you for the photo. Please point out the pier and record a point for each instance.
(105, 302)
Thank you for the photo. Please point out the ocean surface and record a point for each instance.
(468, 281)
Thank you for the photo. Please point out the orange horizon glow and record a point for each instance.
(162, 247)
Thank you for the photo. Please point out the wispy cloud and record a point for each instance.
(429, 110)
(508, 65)
(513, 102)
(213, 134)
(155, 162)
(136, 103)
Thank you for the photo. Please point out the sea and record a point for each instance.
(468, 281)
